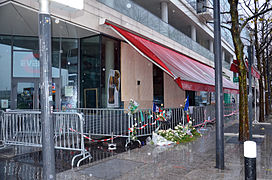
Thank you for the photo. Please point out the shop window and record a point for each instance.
(158, 86)
(110, 73)
(26, 58)
(5, 72)
(90, 72)
(26, 43)
(192, 99)
(100, 72)
(69, 73)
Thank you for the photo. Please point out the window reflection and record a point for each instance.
(5, 71)
(25, 95)
(100, 72)
(90, 72)
(69, 73)
(26, 43)
(26, 64)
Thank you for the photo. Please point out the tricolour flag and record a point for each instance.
(155, 108)
(186, 104)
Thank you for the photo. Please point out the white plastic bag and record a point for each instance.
(159, 140)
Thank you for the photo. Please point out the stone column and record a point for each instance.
(223, 56)
(193, 33)
(164, 11)
(211, 45)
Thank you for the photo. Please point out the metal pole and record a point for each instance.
(218, 87)
(255, 97)
(250, 96)
(268, 78)
(48, 153)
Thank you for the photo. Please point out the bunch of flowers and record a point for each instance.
(180, 134)
(133, 106)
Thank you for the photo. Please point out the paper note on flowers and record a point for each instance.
(159, 140)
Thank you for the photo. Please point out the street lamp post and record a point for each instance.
(218, 87)
(48, 153)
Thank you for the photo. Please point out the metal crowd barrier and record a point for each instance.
(147, 124)
(22, 128)
(105, 122)
(118, 122)
(206, 114)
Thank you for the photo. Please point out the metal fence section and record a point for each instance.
(145, 121)
(105, 122)
(70, 128)
(206, 114)
(117, 122)
(24, 128)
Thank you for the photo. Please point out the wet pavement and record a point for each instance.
(25, 163)
(191, 161)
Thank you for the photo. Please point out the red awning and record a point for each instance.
(189, 74)
(254, 72)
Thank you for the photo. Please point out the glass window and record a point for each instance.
(5, 71)
(192, 98)
(56, 58)
(26, 43)
(25, 95)
(26, 58)
(69, 72)
(90, 72)
(26, 64)
(110, 73)
(158, 87)
(100, 72)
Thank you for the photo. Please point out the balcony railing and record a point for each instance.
(224, 32)
(141, 15)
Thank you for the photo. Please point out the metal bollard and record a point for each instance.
(250, 154)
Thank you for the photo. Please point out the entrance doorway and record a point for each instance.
(26, 93)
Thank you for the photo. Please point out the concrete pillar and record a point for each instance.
(164, 11)
(223, 56)
(193, 33)
(211, 45)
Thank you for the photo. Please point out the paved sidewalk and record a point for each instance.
(192, 161)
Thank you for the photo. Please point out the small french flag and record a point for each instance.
(155, 108)
(186, 104)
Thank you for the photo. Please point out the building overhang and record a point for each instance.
(22, 20)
